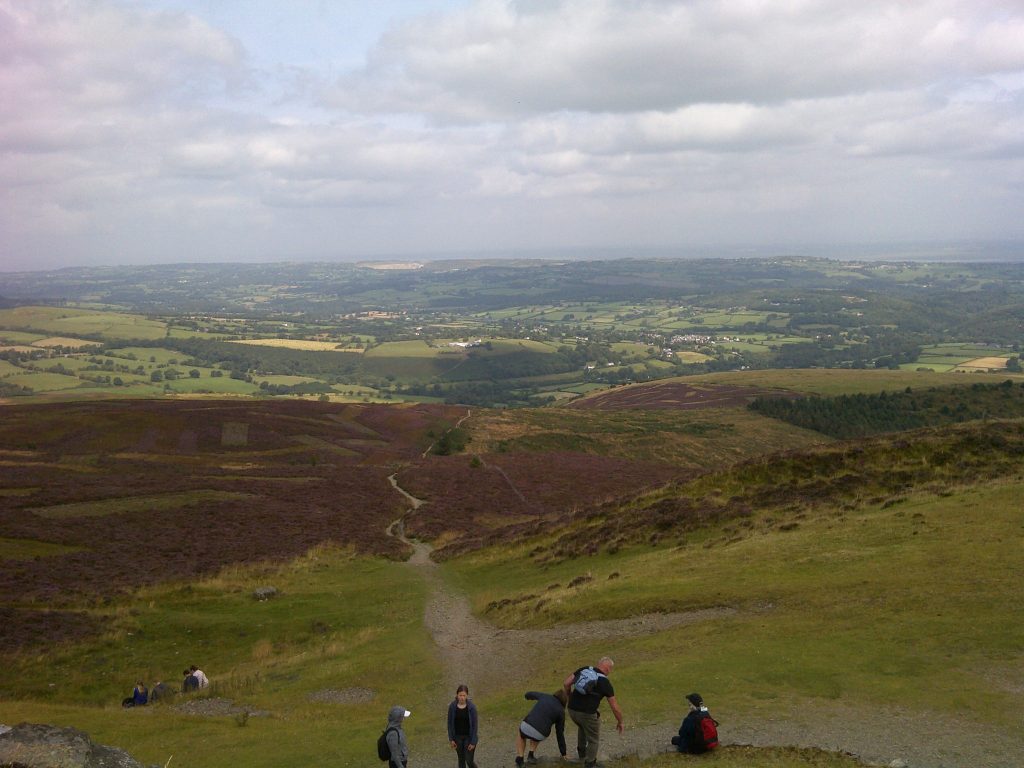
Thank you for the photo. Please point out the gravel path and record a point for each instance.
(469, 646)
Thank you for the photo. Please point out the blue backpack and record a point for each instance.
(586, 680)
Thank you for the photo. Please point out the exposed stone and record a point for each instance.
(216, 707)
(264, 593)
(343, 696)
(31, 745)
(898, 763)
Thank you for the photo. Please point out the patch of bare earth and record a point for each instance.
(356, 695)
(217, 707)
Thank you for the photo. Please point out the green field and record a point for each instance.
(9, 369)
(284, 381)
(18, 337)
(943, 358)
(206, 384)
(44, 382)
(759, 343)
(77, 322)
(408, 349)
(633, 349)
(135, 355)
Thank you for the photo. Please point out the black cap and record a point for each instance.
(695, 699)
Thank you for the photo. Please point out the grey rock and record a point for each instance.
(31, 745)
(216, 707)
(264, 593)
(355, 695)
(898, 763)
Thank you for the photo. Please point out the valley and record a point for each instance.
(827, 545)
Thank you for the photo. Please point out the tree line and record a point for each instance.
(862, 415)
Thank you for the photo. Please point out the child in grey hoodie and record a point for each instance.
(395, 737)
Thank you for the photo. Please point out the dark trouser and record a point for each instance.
(465, 754)
(589, 735)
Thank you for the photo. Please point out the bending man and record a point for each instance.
(586, 687)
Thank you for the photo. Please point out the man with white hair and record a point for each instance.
(586, 687)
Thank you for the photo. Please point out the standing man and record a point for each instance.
(586, 687)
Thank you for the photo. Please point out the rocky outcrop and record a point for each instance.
(29, 745)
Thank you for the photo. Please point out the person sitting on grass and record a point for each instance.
(160, 692)
(190, 683)
(536, 726)
(139, 697)
(201, 677)
(695, 735)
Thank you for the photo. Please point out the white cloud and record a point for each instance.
(507, 124)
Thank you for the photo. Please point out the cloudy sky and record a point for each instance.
(141, 131)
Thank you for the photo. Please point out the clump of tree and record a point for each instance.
(452, 441)
(302, 388)
(8, 389)
(861, 415)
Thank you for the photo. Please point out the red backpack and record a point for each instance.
(707, 732)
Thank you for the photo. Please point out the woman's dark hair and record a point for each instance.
(462, 688)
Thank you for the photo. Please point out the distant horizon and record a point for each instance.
(1007, 251)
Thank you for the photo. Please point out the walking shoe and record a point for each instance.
(531, 760)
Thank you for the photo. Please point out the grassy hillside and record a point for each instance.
(850, 579)
(833, 580)
(340, 622)
(687, 439)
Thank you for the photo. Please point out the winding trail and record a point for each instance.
(483, 656)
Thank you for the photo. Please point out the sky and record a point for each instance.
(154, 131)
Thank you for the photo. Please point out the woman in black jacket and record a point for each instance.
(536, 726)
(462, 727)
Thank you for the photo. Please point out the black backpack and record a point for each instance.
(383, 750)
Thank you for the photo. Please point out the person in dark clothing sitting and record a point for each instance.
(139, 697)
(190, 683)
(691, 738)
(160, 692)
(536, 726)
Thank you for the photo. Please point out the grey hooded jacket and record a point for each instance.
(396, 738)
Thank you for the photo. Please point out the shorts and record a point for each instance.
(529, 732)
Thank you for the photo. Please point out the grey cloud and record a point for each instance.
(498, 60)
